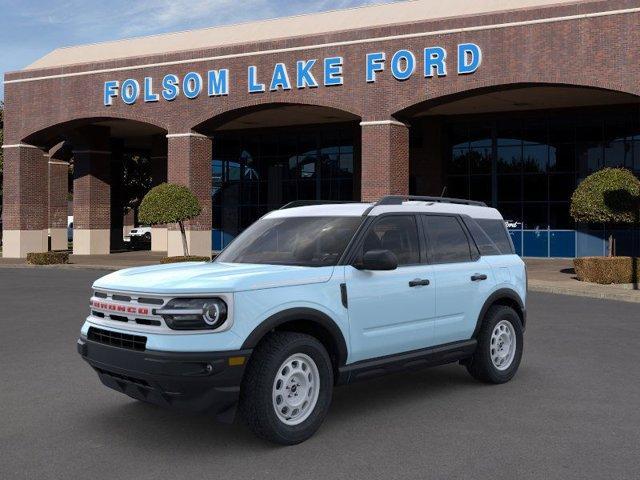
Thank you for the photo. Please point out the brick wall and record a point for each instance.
(25, 192)
(189, 164)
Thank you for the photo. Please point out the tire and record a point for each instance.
(497, 365)
(272, 377)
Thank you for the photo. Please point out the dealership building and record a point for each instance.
(511, 102)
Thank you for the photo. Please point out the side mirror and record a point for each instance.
(379, 260)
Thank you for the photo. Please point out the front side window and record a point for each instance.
(398, 234)
(300, 241)
(447, 240)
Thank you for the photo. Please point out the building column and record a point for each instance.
(189, 164)
(58, 190)
(24, 201)
(92, 193)
(158, 175)
(385, 159)
(427, 158)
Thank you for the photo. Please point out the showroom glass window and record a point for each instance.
(528, 164)
(255, 171)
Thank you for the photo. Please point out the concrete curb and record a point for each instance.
(68, 266)
(631, 296)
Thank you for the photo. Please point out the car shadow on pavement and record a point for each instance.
(134, 421)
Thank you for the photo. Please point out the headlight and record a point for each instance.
(194, 313)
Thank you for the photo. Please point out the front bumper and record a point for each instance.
(200, 382)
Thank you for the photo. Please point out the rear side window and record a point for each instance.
(496, 230)
(447, 240)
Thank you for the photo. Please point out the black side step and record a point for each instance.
(426, 357)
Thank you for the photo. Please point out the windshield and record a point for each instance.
(303, 241)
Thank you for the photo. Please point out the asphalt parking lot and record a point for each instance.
(571, 412)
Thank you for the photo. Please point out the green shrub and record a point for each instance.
(610, 195)
(170, 203)
(190, 258)
(47, 258)
(607, 270)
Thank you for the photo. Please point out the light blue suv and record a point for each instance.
(310, 297)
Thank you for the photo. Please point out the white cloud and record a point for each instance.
(96, 21)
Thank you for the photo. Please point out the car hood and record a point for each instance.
(210, 277)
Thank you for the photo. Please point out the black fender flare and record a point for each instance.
(300, 314)
(501, 294)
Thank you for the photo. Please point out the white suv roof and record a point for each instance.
(358, 209)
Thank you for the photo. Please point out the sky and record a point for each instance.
(30, 29)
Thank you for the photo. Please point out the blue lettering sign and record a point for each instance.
(110, 92)
(170, 87)
(469, 58)
(375, 63)
(149, 96)
(280, 78)
(333, 71)
(403, 64)
(218, 81)
(192, 85)
(434, 58)
(130, 91)
(254, 86)
(304, 77)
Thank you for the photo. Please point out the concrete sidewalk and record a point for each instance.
(545, 274)
(553, 275)
(115, 261)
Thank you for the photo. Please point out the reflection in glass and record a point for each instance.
(539, 159)
(255, 171)
(510, 159)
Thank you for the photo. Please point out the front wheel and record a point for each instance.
(500, 343)
(287, 388)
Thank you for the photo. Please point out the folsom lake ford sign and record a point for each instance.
(310, 73)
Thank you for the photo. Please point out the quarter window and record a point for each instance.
(447, 239)
(398, 234)
(497, 232)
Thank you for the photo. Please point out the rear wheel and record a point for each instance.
(287, 388)
(500, 342)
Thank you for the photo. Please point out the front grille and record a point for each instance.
(122, 307)
(116, 339)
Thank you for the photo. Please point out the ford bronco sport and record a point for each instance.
(309, 297)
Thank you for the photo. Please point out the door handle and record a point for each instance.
(478, 276)
(419, 282)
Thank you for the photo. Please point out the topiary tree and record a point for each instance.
(170, 203)
(609, 196)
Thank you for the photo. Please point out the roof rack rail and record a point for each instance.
(307, 203)
(398, 199)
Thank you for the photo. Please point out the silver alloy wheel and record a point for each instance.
(503, 345)
(296, 389)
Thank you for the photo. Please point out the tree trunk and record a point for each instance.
(185, 247)
(610, 245)
(135, 216)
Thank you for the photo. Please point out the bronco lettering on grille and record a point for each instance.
(111, 307)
